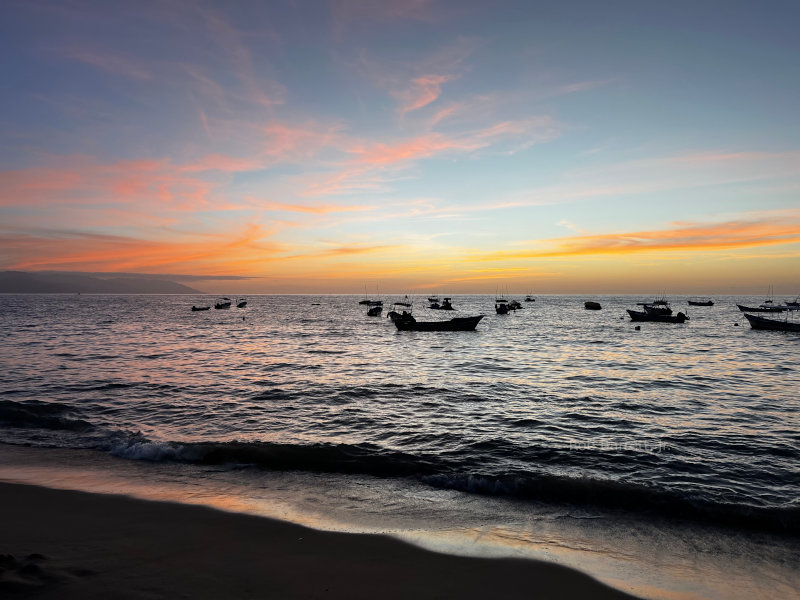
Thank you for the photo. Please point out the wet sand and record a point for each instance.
(67, 544)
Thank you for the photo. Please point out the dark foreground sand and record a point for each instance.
(65, 544)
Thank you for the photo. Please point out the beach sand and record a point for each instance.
(68, 544)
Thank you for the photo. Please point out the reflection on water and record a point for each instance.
(552, 406)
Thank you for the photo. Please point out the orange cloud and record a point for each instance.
(690, 237)
(220, 253)
(319, 209)
(341, 251)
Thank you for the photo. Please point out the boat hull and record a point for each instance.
(655, 318)
(693, 303)
(458, 324)
(757, 322)
(592, 306)
(765, 309)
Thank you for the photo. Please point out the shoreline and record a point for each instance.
(72, 544)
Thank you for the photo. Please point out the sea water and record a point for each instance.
(662, 460)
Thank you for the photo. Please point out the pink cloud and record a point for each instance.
(423, 91)
(83, 181)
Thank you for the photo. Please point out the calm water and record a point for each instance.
(554, 411)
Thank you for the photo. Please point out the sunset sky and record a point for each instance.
(421, 145)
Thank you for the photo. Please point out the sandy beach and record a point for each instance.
(67, 544)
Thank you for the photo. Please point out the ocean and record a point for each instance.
(664, 460)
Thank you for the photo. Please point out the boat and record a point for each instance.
(700, 302)
(375, 311)
(757, 322)
(637, 315)
(501, 306)
(199, 308)
(409, 323)
(445, 305)
(659, 306)
(793, 304)
(433, 299)
(514, 305)
(763, 308)
(406, 302)
(397, 311)
(222, 303)
(241, 304)
(592, 305)
(653, 309)
(530, 298)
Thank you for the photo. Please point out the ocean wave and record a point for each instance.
(367, 459)
(363, 459)
(623, 496)
(35, 414)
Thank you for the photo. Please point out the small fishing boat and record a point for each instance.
(409, 323)
(757, 322)
(222, 303)
(700, 302)
(241, 303)
(530, 298)
(375, 311)
(445, 305)
(433, 299)
(199, 308)
(793, 304)
(501, 306)
(659, 306)
(397, 311)
(637, 315)
(592, 305)
(514, 305)
(406, 302)
(762, 308)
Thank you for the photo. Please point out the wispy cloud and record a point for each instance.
(423, 91)
(694, 237)
(81, 180)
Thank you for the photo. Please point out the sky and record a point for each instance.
(405, 147)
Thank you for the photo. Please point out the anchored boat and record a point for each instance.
(637, 315)
(757, 322)
(408, 323)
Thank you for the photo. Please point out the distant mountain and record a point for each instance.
(20, 282)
